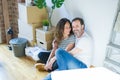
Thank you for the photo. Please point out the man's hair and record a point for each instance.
(80, 19)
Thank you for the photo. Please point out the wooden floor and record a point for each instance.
(19, 68)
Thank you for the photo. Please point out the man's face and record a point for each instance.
(77, 28)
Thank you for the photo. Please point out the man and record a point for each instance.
(80, 56)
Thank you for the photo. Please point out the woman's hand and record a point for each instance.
(49, 64)
(54, 44)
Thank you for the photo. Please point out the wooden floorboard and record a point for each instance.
(19, 68)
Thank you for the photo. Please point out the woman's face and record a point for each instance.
(67, 29)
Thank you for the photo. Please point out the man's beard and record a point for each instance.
(77, 33)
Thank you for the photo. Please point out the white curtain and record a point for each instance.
(117, 23)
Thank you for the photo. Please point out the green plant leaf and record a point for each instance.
(40, 3)
(57, 3)
(45, 22)
(53, 1)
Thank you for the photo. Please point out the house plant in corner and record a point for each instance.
(43, 4)
(45, 24)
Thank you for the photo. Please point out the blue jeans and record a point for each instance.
(43, 56)
(48, 77)
(66, 61)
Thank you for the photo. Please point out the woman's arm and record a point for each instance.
(71, 44)
(51, 58)
(55, 46)
(52, 54)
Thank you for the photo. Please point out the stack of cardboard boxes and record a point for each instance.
(30, 18)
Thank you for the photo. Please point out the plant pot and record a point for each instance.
(45, 28)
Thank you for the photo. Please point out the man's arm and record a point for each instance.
(75, 51)
(70, 46)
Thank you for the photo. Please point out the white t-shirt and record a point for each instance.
(84, 43)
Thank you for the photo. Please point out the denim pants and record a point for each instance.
(43, 56)
(66, 61)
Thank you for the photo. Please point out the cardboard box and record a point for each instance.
(44, 35)
(31, 14)
(28, 29)
(45, 45)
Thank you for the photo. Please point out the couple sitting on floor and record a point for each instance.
(70, 51)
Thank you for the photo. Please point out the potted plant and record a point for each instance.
(42, 4)
(45, 24)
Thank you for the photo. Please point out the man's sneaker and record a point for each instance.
(40, 66)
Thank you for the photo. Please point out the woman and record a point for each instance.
(63, 38)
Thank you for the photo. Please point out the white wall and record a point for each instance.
(58, 13)
(99, 17)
